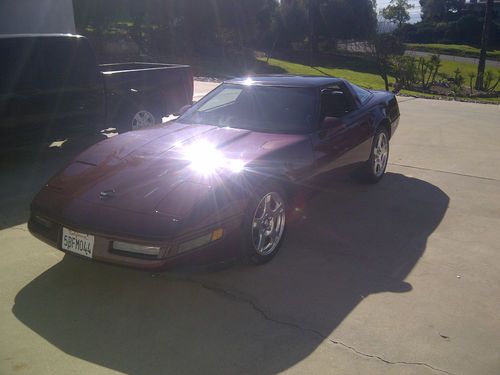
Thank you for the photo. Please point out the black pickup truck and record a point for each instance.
(51, 84)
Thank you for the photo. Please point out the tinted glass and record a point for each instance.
(334, 104)
(362, 94)
(46, 63)
(68, 63)
(20, 65)
(259, 108)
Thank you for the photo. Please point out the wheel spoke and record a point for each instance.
(277, 209)
(267, 204)
(261, 242)
(268, 223)
(257, 222)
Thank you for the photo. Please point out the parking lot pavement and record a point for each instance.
(398, 278)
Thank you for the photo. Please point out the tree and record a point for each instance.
(433, 10)
(294, 22)
(348, 19)
(385, 47)
(314, 25)
(397, 12)
(97, 14)
(441, 10)
(324, 21)
(488, 17)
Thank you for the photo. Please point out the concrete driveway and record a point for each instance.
(398, 278)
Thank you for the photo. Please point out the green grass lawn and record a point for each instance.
(452, 49)
(365, 79)
(449, 67)
(364, 76)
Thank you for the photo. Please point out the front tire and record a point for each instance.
(375, 167)
(264, 224)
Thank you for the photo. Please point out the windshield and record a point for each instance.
(258, 108)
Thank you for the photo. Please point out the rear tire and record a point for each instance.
(374, 169)
(143, 119)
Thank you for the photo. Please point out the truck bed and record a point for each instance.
(159, 88)
(136, 66)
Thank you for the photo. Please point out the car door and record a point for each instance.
(343, 132)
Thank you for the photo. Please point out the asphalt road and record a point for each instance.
(398, 278)
(363, 47)
(461, 59)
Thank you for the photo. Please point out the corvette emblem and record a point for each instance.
(107, 194)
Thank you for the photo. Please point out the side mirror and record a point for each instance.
(183, 110)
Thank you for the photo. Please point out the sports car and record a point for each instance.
(219, 180)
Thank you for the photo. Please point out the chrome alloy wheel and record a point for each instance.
(143, 119)
(380, 154)
(268, 223)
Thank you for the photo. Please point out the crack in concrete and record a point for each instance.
(448, 172)
(239, 297)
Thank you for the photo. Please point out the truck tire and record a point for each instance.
(143, 119)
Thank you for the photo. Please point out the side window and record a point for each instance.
(68, 63)
(225, 97)
(362, 94)
(20, 65)
(335, 102)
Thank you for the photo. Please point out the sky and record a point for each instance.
(414, 13)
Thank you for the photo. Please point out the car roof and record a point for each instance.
(285, 80)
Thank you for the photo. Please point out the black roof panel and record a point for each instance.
(286, 80)
(8, 36)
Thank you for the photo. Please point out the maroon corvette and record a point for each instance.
(219, 180)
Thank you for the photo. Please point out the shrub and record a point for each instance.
(458, 82)
(471, 75)
(428, 69)
(404, 69)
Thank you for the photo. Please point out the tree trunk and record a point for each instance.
(313, 28)
(383, 70)
(484, 45)
(386, 81)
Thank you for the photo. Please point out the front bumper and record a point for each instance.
(50, 231)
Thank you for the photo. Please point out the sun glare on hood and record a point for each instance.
(204, 158)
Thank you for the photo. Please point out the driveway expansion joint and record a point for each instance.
(241, 298)
(448, 172)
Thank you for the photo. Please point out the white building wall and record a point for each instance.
(36, 16)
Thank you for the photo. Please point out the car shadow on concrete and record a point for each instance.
(351, 241)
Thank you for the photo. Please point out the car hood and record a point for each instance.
(147, 171)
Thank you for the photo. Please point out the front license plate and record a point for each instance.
(78, 243)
